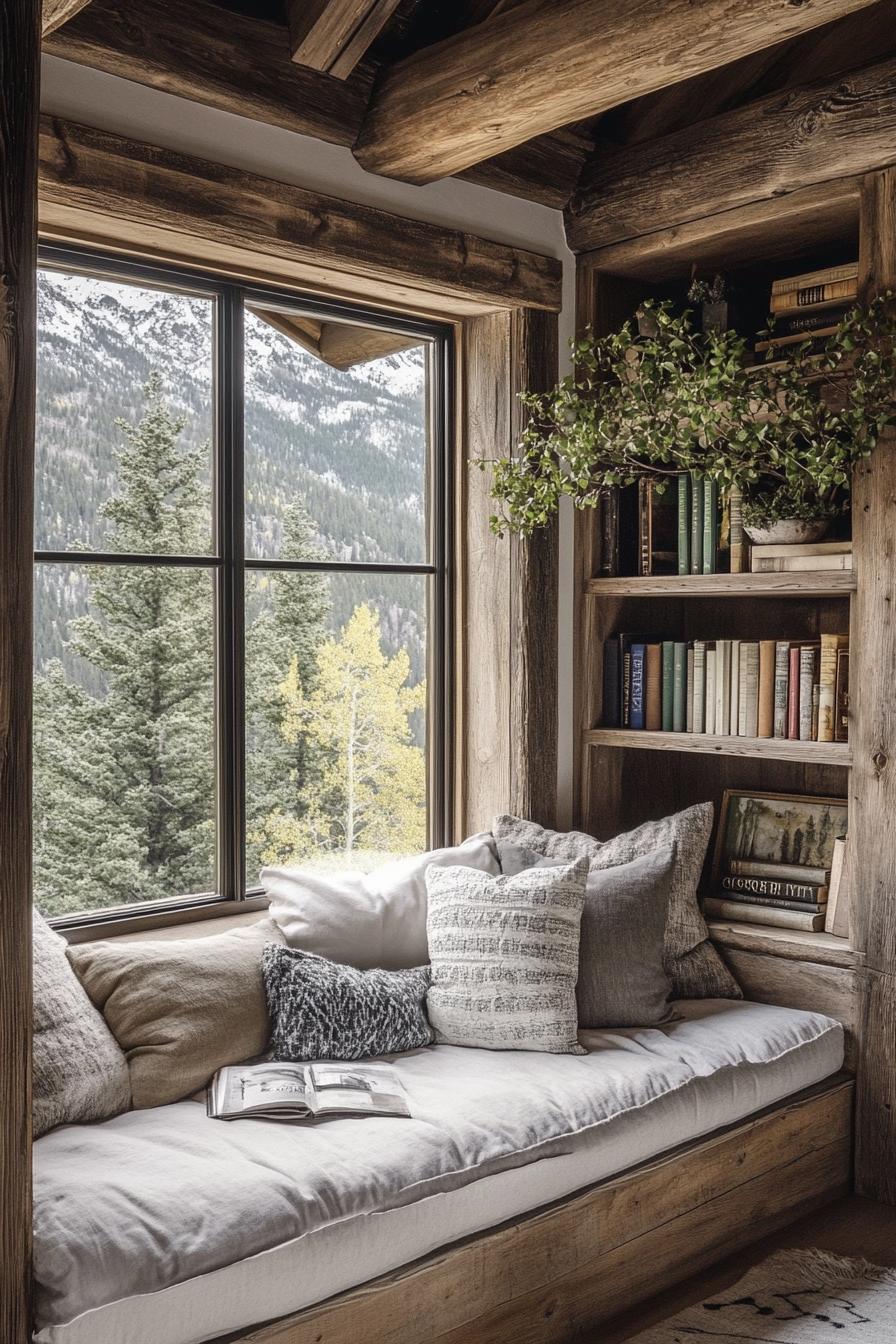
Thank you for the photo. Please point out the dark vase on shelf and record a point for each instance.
(717, 315)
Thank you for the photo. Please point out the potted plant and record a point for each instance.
(715, 302)
(786, 433)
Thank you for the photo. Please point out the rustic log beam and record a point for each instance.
(19, 80)
(139, 196)
(547, 63)
(769, 148)
(333, 35)
(57, 12)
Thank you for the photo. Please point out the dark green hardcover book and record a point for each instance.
(668, 684)
(710, 525)
(684, 524)
(679, 687)
(696, 547)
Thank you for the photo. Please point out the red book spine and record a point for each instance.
(793, 694)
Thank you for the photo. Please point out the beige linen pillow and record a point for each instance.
(79, 1072)
(180, 1009)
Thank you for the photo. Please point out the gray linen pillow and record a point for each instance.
(622, 982)
(321, 1009)
(692, 963)
(505, 956)
(79, 1071)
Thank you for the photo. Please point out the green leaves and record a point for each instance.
(787, 432)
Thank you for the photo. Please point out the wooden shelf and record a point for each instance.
(772, 748)
(821, 583)
(788, 943)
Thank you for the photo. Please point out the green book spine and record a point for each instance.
(696, 547)
(710, 525)
(684, 524)
(679, 687)
(668, 684)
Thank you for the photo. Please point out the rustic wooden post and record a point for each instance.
(19, 58)
(873, 803)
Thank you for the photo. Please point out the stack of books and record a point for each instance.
(729, 687)
(785, 895)
(671, 527)
(822, 555)
(810, 305)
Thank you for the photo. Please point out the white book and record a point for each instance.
(689, 699)
(786, 550)
(750, 691)
(699, 686)
(723, 684)
(782, 674)
(710, 695)
(735, 687)
(739, 911)
(800, 564)
(837, 914)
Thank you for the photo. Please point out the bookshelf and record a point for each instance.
(626, 777)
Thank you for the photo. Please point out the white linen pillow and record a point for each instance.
(367, 919)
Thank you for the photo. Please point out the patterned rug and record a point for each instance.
(793, 1297)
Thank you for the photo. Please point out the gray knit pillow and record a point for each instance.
(323, 1010)
(505, 956)
(80, 1072)
(692, 963)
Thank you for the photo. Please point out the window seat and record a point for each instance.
(164, 1225)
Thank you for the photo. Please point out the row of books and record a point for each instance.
(810, 305)
(676, 527)
(785, 896)
(731, 687)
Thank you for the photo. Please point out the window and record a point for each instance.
(242, 600)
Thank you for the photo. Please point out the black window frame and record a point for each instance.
(229, 563)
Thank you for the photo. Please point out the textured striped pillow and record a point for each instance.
(505, 956)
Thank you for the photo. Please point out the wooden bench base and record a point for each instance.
(550, 1275)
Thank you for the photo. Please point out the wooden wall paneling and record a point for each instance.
(555, 1274)
(540, 66)
(873, 730)
(19, 95)
(138, 195)
(765, 149)
(809, 985)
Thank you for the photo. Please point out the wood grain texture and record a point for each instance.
(57, 12)
(713, 744)
(793, 944)
(547, 63)
(368, 30)
(814, 134)
(342, 345)
(809, 985)
(134, 191)
(19, 81)
(555, 1274)
(332, 36)
(818, 584)
(873, 729)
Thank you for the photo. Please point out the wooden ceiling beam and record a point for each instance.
(777, 145)
(54, 13)
(342, 345)
(333, 35)
(547, 63)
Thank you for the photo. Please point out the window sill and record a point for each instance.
(167, 915)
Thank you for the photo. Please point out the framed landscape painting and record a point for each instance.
(785, 830)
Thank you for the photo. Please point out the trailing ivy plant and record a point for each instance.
(786, 432)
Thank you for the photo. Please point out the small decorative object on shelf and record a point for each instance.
(729, 687)
(716, 313)
(775, 859)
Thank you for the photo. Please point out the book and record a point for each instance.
(734, 712)
(737, 543)
(608, 523)
(770, 888)
(807, 319)
(827, 686)
(762, 914)
(709, 695)
(779, 872)
(611, 715)
(828, 275)
(808, 663)
(837, 916)
(696, 539)
(810, 296)
(282, 1091)
(653, 695)
(793, 693)
(625, 674)
(765, 713)
(684, 523)
(774, 342)
(841, 697)
(774, 903)
(782, 666)
(657, 528)
(699, 685)
(689, 694)
(723, 685)
(750, 706)
(637, 688)
(679, 687)
(816, 696)
(786, 549)
(668, 685)
(801, 564)
(710, 525)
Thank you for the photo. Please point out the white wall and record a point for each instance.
(81, 94)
